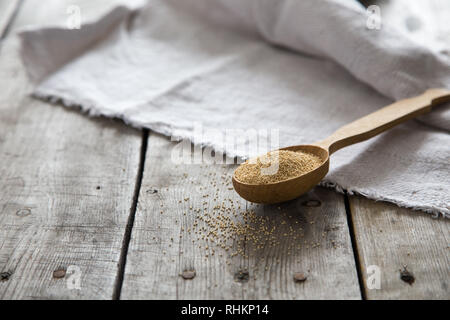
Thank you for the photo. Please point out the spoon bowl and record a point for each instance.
(290, 188)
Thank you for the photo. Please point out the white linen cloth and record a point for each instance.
(304, 68)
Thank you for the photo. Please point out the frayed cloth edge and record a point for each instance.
(95, 111)
(433, 210)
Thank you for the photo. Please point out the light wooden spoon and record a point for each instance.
(357, 131)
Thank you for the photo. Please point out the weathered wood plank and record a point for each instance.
(167, 239)
(66, 188)
(390, 238)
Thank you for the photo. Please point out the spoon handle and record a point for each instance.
(384, 119)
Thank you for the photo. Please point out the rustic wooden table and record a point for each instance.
(80, 203)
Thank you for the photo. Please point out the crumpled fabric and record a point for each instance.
(232, 74)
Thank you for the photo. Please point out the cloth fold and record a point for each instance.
(251, 71)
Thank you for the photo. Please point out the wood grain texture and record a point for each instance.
(66, 188)
(390, 238)
(169, 199)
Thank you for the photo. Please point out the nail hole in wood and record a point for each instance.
(407, 276)
(299, 277)
(4, 276)
(59, 273)
(23, 212)
(188, 274)
(241, 276)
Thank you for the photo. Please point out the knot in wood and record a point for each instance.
(23, 212)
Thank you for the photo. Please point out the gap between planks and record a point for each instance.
(354, 242)
(131, 218)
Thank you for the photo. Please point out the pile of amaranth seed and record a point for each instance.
(276, 166)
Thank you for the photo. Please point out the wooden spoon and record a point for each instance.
(357, 131)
